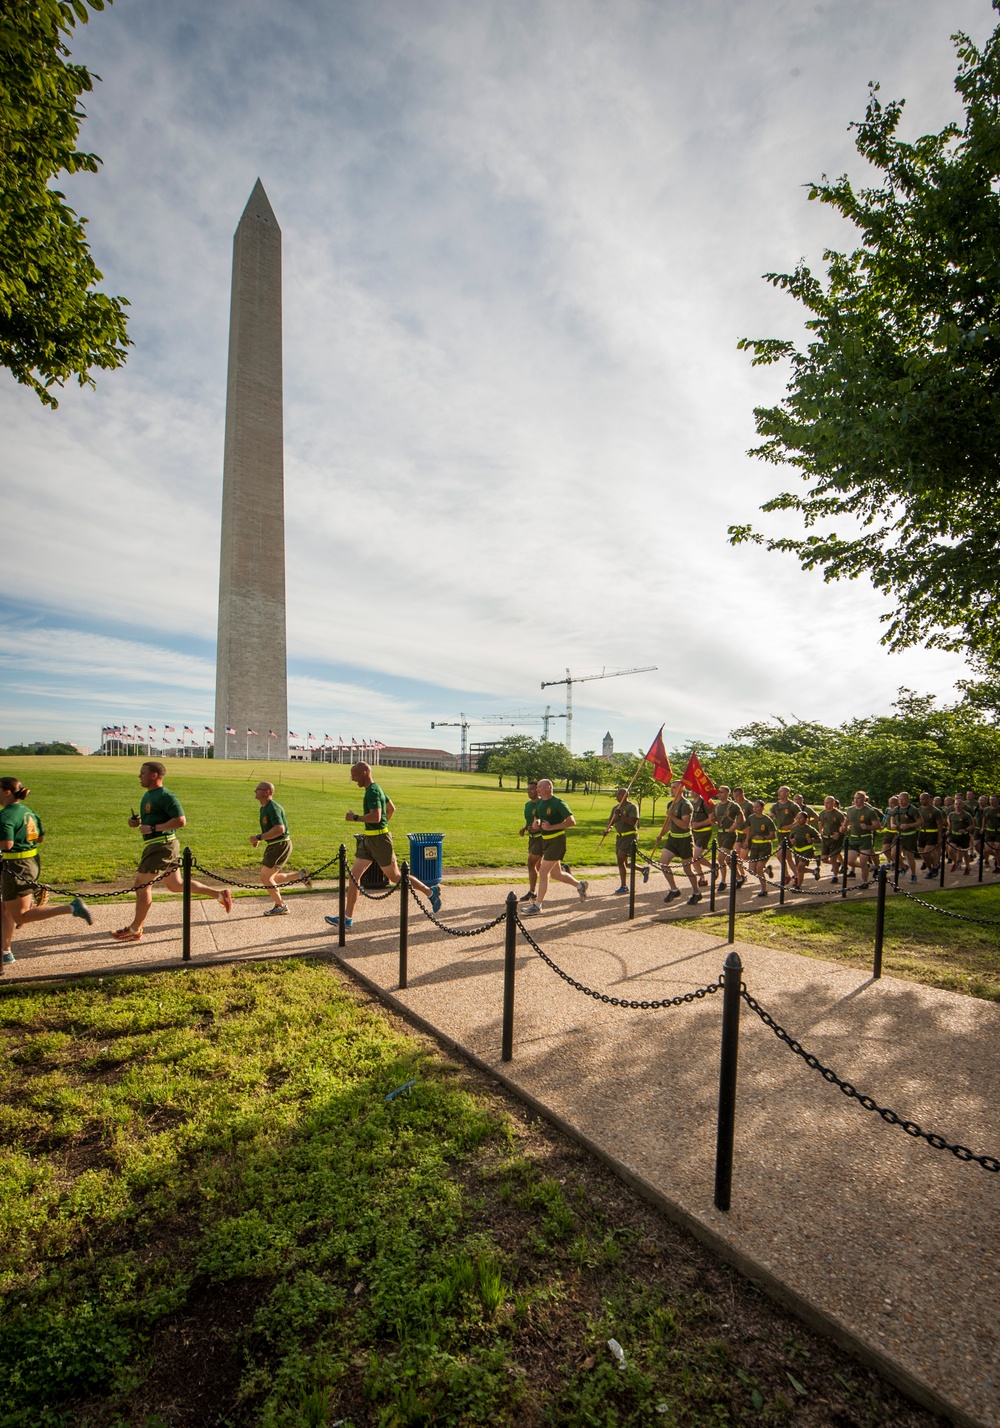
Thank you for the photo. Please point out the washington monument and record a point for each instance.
(250, 678)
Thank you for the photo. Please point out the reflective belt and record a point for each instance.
(159, 838)
(7, 857)
(560, 834)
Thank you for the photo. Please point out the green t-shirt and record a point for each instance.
(960, 821)
(762, 828)
(727, 815)
(701, 815)
(271, 814)
(626, 816)
(681, 809)
(158, 806)
(831, 820)
(803, 837)
(991, 819)
(21, 826)
(930, 817)
(551, 810)
(906, 820)
(529, 812)
(861, 820)
(375, 798)
(784, 815)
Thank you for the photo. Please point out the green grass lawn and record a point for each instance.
(919, 944)
(84, 804)
(211, 1212)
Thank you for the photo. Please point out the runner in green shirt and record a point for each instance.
(991, 828)
(929, 835)
(274, 834)
(783, 812)
(535, 845)
(679, 844)
(831, 826)
(624, 820)
(804, 843)
(729, 820)
(21, 834)
(375, 845)
(552, 821)
(961, 826)
(762, 831)
(863, 822)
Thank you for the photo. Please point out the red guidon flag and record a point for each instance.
(657, 756)
(695, 778)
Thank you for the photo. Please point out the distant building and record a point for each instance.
(397, 757)
(607, 747)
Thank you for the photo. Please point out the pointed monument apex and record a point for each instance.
(250, 677)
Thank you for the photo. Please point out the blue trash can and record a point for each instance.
(426, 854)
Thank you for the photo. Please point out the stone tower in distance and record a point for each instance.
(250, 672)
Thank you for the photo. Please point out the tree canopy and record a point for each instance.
(54, 326)
(892, 410)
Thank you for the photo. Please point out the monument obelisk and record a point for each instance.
(250, 676)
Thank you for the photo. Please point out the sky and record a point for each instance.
(520, 244)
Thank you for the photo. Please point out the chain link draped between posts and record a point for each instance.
(456, 931)
(605, 997)
(372, 897)
(961, 1152)
(947, 912)
(304, 877)
(31, 883)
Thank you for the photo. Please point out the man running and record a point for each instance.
(831, 826)
(930, 837)
(677, 831)
(889, 829)
(863, 823)
(991, 830)
(702, 827)
(906, 820)
(551, 822)
(160, 815)
(625, 821)
(375, 845)
(728, 817)
(277, 842)
(960, 828)
(535, 845)
(762, 832)
(804, 843)
(783, 812)
(21, 833)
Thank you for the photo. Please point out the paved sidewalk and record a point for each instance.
(895, 1242)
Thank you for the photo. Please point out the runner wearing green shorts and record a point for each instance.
(702, 829)
(729, 820)
(535, 845)
(804, 845)
(831, 826)
(551, 823)
(889, 828)
(159, 818)
(960, 829)
(624, 820)
(762, 831)
(679, 843)
(929, 836)
(863, 823)
(782, 813)
(906, 822)
(375, 845)
(277, 840)
(21, 834)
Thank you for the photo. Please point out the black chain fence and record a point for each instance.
(456, 931)
(30, 884)
(947, 912)
(605, 997)
(304, 876)
(961, 1152)
(373, 896)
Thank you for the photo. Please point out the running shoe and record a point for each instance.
(645, 872)
(436, 898)
(860, 886)
(762, 893)
(913, 877)
(79, 910)
(533, 909)
(703, 882)
(226, 899)
(582, 889)
(695, 897)
(671, 895)
(8, 958)
(127, 934)
(619, 891)
(527, 897)
(40, 897)
(335, 922)
(304, 878)
(280, 909)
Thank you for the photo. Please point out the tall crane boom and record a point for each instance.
(466, 724)
(572, 679)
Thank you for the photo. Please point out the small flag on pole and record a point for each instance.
(271, 734)
(252, 731)
(657, 756)
(230, 731)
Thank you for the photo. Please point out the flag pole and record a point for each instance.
(643, 760)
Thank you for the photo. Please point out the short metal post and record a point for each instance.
(982, 852)
(712, 877)
(342, 896)
(404, 921)
(843, 876)
(509, 955)
(883, 880)
(733, 865)
(726, 1132)
(944, 857)
(186, 905)
(631, 880)
(899, 854)
(783, 851)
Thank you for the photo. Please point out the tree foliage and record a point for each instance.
(892, 411)
(54, 326)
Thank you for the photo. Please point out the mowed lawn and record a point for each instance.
(932, 947)
(84, 804)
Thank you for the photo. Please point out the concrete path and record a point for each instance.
(884, 1239)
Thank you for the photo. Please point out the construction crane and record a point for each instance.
(547, 718)
(513, 720)
(572, 679)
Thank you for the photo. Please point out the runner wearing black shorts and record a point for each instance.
(536, 847)
(906, 822)
(679, 844)
(762, 832)
(729, 820)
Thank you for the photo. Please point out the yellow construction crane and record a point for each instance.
(572, 679)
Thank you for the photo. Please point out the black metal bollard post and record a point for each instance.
(843, 876)
(899, 854)
(509, 956)
(726, 1132)
(982, 852)
(733, 865)
(883, 880)
(783, 854)
(631, 880)
(404, 921)
(944, 858)
(714, 874)
(342, 896)
(186, 905)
